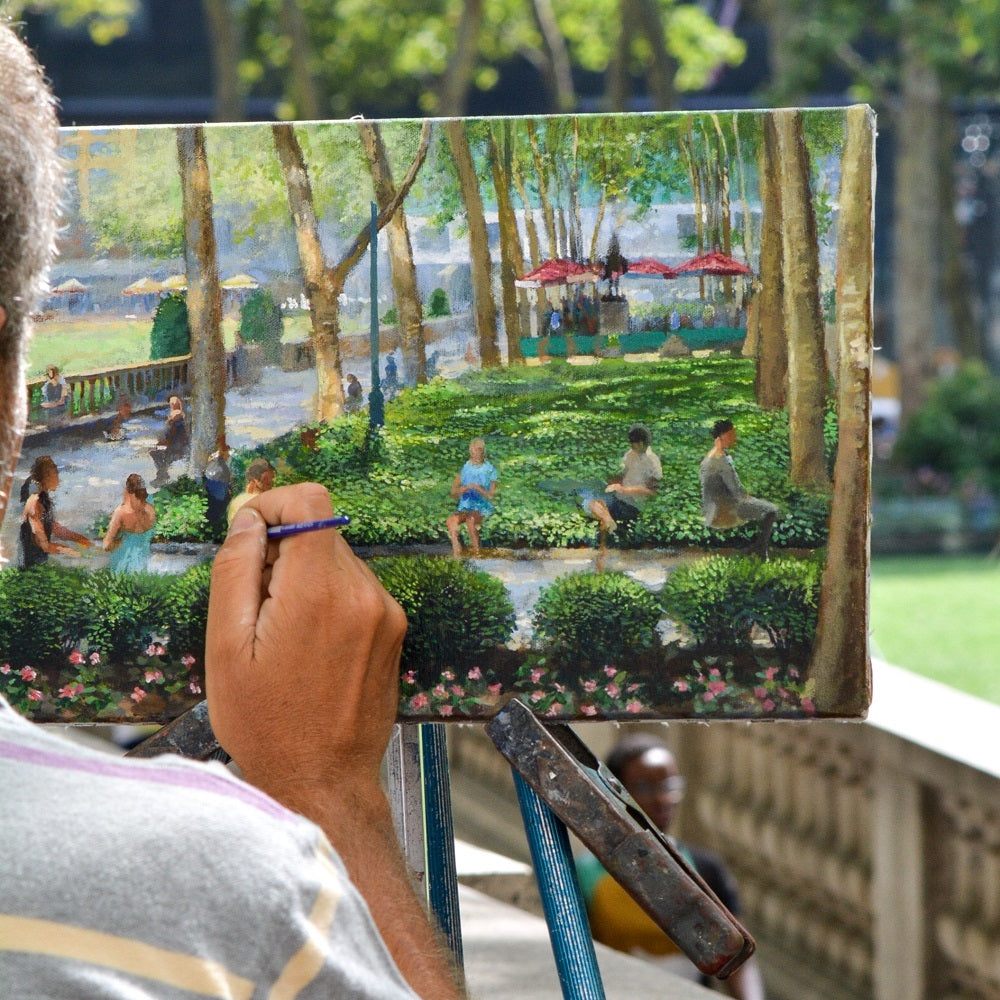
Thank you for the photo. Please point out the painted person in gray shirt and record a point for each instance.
(169, 878)
(724, 501)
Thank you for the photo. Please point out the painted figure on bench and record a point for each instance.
(724, 501)
(173, 443)
(474, 488)
(625, 495)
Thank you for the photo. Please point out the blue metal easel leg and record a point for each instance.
(439, 827)
(565, 913)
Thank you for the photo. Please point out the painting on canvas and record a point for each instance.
(592, 390)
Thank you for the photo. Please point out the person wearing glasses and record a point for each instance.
(648, 771)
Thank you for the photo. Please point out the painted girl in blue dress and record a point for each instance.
(474, 488)
(131, 529)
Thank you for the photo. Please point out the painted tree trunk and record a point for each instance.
(204, 301)
(542, 180)
(321, 287)
(768, 311)
(479, 248)
(725, 204)
(842, 630)
(800, 254)
(402, 267)
(511, 260)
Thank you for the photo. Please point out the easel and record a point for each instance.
(559, 785)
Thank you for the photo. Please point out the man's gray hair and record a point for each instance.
(30, 187)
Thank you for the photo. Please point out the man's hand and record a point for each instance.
(302, 650)
(302, 658)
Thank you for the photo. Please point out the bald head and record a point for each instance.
(30, 186)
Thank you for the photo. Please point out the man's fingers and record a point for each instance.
(235, 594)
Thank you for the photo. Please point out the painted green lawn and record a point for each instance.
(937, 616)
(95, 343)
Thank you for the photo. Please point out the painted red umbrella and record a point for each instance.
(556, 272)
(714, 263)
(646, 267)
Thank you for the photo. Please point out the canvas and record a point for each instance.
(597, 406)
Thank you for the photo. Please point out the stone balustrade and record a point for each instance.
(867, 853)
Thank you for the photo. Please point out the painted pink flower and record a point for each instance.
(793, 673)
(717, 687)
(633, 706)
(708, 697)
(28, 674)
(590, 685)
(715, 672)
(154, 676)
(410, 677)
(70, 690)
(155, 649)
(680, 685)
(35, 695)
(613, 690)
(611, 671)
(808, 706)
(194, 685)
(76, 656)
(439, 691)
(782, 693)
(188, 660)
(767, 704)
(5, 669)
(771, 673)
(494, 688)
(632, 687)
(588, 709)
(536, 696)
(419, 700)
(457, 690)
(760, 693)
(537, 674)
(447, 675)
(138, 694)
(475, 674)
(446, 709)
(556, 708)
(94, 658)
(561, 688)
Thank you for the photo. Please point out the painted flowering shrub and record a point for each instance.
(84, 687)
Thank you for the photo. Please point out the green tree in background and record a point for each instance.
(170, 336)
(260, 323)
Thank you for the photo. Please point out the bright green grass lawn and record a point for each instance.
(938, 616)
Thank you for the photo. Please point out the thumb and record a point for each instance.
(236, 591)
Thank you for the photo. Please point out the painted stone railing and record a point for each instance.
(94, 392)
(867, 853)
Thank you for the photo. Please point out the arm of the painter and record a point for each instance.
(304, 640)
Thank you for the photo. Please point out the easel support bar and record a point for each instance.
(565, 914)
